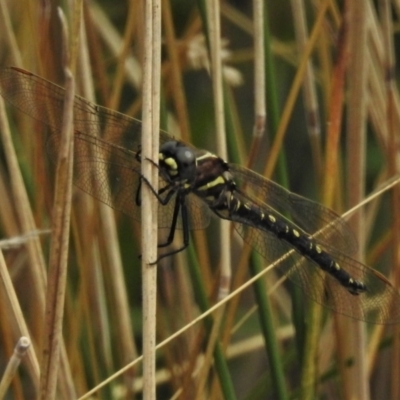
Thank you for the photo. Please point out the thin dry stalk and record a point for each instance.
(309, 87)
(150, 149)
(351, 335)
(260, 108)
(13, 364)
(59, 249)
(10, 301)
(216, 72)
(214, 25)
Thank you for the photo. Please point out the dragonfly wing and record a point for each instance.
(108, 173)
(379, 304)
(309, 215)
(111, 174)
(106, 143)
(44, 101)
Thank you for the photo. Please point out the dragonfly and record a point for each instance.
(195, 184)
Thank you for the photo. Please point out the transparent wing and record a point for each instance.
(312, 217)
(105, 145)
(379, 304)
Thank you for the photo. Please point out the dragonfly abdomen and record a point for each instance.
(311, 249)
(300, 241)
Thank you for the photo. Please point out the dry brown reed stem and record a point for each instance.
(150, 149)
(12, 366)
(217, 79)
(56, 287)
(351, 335)
(309, 88)
(10, 301)
(260, 109)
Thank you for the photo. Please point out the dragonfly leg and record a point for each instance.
(163, 201)
(138, 198)
(162, 172)
(180, 205)
(170, 238)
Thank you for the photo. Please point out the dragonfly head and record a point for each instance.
(178, 161)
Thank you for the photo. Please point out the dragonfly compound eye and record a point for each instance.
(186, 161)
(185, 157)
(169, 148)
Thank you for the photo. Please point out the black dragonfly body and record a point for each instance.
(193, 181)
